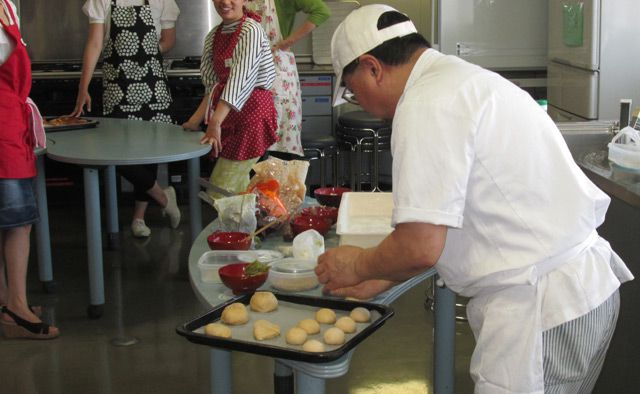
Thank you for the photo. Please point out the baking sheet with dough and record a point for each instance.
(291, 309)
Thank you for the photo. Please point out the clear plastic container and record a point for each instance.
(211, 261)
(291, 274)
(364, 218)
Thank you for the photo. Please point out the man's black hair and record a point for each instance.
(396, 50)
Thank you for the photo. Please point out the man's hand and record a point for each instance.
(337, 267)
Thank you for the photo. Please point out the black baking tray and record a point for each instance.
(290, 352)
(90, 124)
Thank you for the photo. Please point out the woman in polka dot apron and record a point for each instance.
(134, 82)
(277, 20)
(238, 72)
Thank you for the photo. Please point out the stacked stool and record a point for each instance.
(360, 132)
(320, 146)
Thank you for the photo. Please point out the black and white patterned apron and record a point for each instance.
(134, 81)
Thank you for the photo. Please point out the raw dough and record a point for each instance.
(334, 336)
(325, 316)
(346, 324)
(263, 301)
(217, 330)
(296, 336)
(310, 326)
(235, 314)
(263, 329)
(360, 314)
(313, 345)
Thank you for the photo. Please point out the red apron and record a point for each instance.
(17, 159)
(247, 133)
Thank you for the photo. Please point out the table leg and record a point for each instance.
(444, 339)
(43, 240)
(282, 378)
(94, 241)
(111, 196)
(220, 371)
(195, 209)
(308, 384)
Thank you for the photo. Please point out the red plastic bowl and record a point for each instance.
(322, 211)
(302, 223)
(330, 196)
(233, 276)
(229, 240)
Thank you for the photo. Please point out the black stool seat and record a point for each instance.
(362, 120)
(317, 140)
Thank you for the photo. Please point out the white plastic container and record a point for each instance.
(211, 261)
(364, 218)
(291, 274)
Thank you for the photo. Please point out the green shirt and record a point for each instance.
(317, 12)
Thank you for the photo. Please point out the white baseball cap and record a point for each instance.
(357, 35)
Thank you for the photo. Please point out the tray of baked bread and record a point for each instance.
(295, 327)
(62, 123)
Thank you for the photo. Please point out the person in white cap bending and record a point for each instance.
(486, 191)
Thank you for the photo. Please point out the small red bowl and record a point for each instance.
(302, 223)
(234, 277)
(322, 211)
(330, 196)
(229, 240)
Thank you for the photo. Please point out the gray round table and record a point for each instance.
(310, 377)
(122, 142)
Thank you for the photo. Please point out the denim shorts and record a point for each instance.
(17, 203)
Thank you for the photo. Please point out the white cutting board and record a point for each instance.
(321, 36)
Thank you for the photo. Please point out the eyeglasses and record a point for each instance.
(349, 96)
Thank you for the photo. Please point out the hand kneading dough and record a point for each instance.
(217, 330)
(346, 324)
(263, 301)
(235, 314)
(310, 326)
(325, 316)
(360, 314)
(296, 336)
(263, 329)
(334, 336)
(313, 345)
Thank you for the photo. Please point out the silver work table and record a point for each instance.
(122, 142)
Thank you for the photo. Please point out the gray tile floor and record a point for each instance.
(148, 294)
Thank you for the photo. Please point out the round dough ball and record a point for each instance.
(346, 324)
(310, 326)
(296, 336)
(235, 314)
(313, 345)
(334, 336)
(264, 329)
(217, 330)
(360, 314)
(325, 316)
(263, 301)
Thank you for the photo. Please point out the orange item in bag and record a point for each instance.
(269, 198)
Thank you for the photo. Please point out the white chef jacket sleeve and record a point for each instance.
(96, 10)
(169, 15)
(433, 151)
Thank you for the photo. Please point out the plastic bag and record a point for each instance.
(308, 245)
(236, 213)
(290, 176)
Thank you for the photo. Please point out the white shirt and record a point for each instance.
(164, 12)
(475, 153)
(6, 44)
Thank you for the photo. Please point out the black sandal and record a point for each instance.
(21, 328)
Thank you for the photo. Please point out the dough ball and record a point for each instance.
(325, 316)
(310, 326)
(346, 324)
(263, 329)
(235, 314)
(334, 336)
(296, 336)
(217, 330)
(313, 345)
(263, 301)
(360, 314)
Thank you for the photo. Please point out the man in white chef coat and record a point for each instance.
(485, 190)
